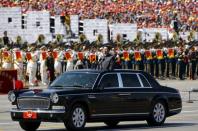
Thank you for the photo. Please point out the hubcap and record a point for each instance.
(78, 117)
(159, 112)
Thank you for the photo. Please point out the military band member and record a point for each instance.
(148, 60)
(138, 60)
(196, 50)
(118, 62)
(152, 61)
(18, 63)
(126, 59)
(93, 59)
(193, 63)
(7, 59)
(32, 66)
(57, 60)
(70, 56)
(181, 55)
(161, 62)
(80, 59)
(171, 62)
(43, 67)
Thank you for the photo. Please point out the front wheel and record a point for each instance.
(111, 123)
(29, 125)
(77, 118)
(157, 115)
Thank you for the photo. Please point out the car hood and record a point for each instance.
(47, 92)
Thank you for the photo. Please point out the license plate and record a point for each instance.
(29, 115)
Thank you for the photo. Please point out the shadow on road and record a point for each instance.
(130, 127)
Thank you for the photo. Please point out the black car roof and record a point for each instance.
(104, 71)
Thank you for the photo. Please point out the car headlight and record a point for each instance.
(11, 96)
(54, 97)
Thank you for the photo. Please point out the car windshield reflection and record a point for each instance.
(75, 80)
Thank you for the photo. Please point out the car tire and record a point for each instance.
(157, 114)
(111, 123)
(77, 118)
(29, 125)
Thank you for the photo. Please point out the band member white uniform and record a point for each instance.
(70, 61)
(31, 68)
(43, 67)
(57, 62)
(100, 53)
(7, 59)
(18, 63)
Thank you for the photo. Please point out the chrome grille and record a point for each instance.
(33, 103)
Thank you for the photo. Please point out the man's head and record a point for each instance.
(5, 33)
(105, 50)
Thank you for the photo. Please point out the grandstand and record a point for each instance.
(51, 17)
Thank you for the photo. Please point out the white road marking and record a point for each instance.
(192, 111)
(8, 123)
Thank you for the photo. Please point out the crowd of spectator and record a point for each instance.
(146, 13)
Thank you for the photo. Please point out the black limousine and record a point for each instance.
(82, 96)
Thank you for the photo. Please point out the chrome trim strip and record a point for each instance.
(38, 111)
(119, 114)
(120, 80)
(140, 80)
(94, 84)
(122, 92)
(176, 109)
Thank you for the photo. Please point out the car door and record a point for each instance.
(135, 98)
(106, 101)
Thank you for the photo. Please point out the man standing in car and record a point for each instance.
(50, 66)
(107, 61)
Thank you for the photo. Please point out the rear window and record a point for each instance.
(144, 81)
(130, 80)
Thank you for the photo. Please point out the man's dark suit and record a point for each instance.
(106, 63)
(50, 67)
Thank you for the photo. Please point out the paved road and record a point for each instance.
(187, 120)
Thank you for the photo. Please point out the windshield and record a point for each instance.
(75, 80)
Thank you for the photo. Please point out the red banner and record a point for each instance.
(5, 54)
(159, 54)
(18, 55)
(126, 55)
(28, 56)
(148, 54)
(92, 58)
(137, 56)
(80, 55)
(171, 53)
(44, 55)
(67, 55)
(55, 54)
